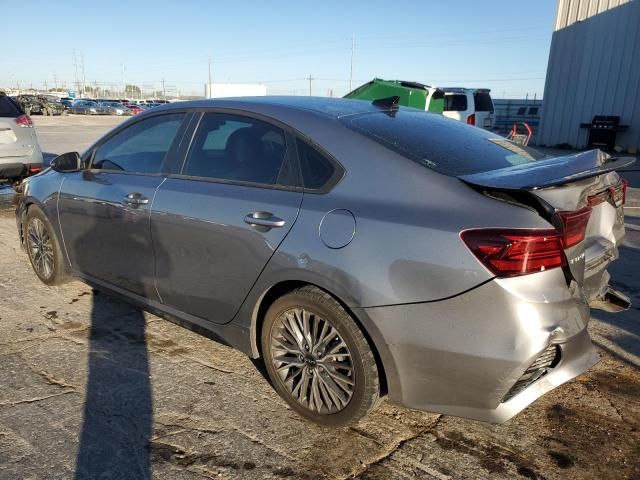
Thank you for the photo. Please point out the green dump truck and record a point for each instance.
(412, 94)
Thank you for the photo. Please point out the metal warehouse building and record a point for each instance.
(594, 69)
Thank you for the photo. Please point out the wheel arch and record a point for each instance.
(280, 289)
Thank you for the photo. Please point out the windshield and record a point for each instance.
(441, 144)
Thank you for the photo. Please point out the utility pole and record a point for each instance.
(75, 66)
(353, 46)
(164, 91)
(209, 84)
(82, 70)
(55, 81)
(310, 79)
(124, 86)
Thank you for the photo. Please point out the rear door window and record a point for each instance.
(8, 108)
(483, 102)
(455, 103)
(243, 149)
(451, 148)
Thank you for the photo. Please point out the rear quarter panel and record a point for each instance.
(406, 246)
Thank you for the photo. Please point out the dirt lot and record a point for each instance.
(93, 388)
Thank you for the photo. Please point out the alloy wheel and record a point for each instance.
(40, 248)
(313, 361)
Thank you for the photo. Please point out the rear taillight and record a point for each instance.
(24, 121)
(574, 226)
(616, 194)
(471, 119)
(513, 252)
(619, 192)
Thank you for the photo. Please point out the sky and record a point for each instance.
(502, 45)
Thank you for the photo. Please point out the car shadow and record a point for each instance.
(118, 408)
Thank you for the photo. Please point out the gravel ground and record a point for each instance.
(94, 388)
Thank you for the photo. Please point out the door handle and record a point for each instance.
(136, 199)
(264, 219)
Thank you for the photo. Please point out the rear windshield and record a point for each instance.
(8, 108)
(441, 144)
(483, 102)
(455, 103)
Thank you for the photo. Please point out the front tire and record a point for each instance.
(43, 248)
(318, 359)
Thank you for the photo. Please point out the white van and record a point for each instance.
(470, 105)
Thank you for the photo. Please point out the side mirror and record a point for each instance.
(67, 162)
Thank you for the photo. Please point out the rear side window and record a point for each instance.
(455, 103)
(448, 147)
(8, 108)
(317, 170)
(483, 102)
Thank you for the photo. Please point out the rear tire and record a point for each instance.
(318, 359)
(43, 248)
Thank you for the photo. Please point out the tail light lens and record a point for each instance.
(513, 252)
(574, 226)
(471, 119)
(24, 121)
(617, 194)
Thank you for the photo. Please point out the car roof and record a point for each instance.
(273, 105)
(464, 90)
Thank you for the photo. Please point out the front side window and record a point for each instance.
(140, 148)
(455, 103)
(229, 147)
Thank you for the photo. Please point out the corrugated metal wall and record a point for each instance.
(594, 68)
(572, 11)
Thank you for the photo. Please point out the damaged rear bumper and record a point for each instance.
(475, 355)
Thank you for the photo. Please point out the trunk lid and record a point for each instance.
(572, 183)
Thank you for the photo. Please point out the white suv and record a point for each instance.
(470, 105)
(20, 153)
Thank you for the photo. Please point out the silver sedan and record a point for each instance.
(85, 107)
(358, 249)
(113, 108)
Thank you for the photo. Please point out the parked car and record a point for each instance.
(113, 108)
(20, 154)
(86, 107)
(359, 249)
(134, 109)
(67, 102)
(410, 94)
(29, 104)
(51, 105)
(470, 105)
